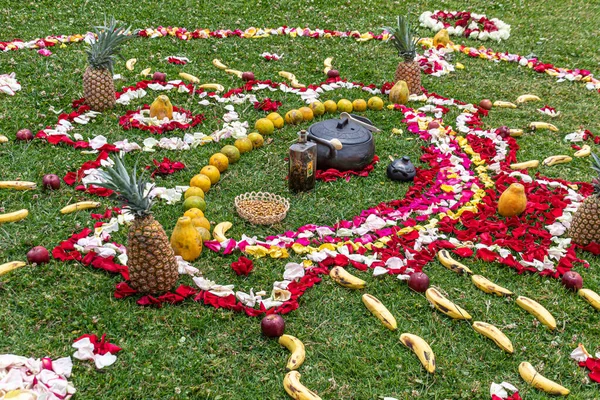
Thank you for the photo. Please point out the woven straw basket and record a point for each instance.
(262, 208)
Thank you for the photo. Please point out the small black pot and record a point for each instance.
(401, 169)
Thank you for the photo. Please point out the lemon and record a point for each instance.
(194, 202)
(307, 113)
(201, 181)
(359, 105)
(344, 106)
(375, 103)
(212, 173)
(256, 139)
(264, 126)
(293, 117)
(317, 108)
(220, 161)
(276, 119)
(193, 191)
(232, 153)
(244, 145)
(330, 106)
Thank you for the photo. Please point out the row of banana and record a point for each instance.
(291, 382)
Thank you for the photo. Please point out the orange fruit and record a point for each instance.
(293, 117)
(330, 106)
(307, 113)
(212, 173)
(256, 139)
(220, 161)
(201, 181)
(276, 119)
(264, 126)
(193, 213)
(201, 222)
(204, 233)
(232, 153)
(193, 191)
(375, 103)
(317, 108)
(194, 202)
(359, 105)
(344, 106)
(244, 145)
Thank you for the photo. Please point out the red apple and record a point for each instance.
(38, 255)
(433, 125)
(159, 76)
(419, 282)
(248, 76)
(572, 280)
(272, 325)
(486, 104)
(503, 131)
(51, 181)
(333, 73)
(24, 134)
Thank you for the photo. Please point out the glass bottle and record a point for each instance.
(303, 164)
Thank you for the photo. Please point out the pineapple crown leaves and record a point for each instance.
(102, 52)
(403, 38)
(127, 187)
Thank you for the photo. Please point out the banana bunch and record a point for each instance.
(527, 97)
(421, 348)
(82, 205)
(220, 229)
(296, 347)
(537, 310)
(446, 306)
(130, 64)
(535, 379)
(491, 332)
(450, 263)
(591, 297)
(553, 160)
(292, 78)
(17, 185)
(488, 286)
(217, 63)
(584, 151)
(14, 216)
(504, 104)
(296, 390)
(346, 279)
(534, 126)
(380, 311)
(9, 266)
(328, 65)
(525, 165)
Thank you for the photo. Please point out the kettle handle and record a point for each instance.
(370, 127)
(326, 143)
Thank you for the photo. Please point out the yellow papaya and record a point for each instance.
(399, 93)
(513, 201)
(185, 240)
(441, 38)
(161, 108)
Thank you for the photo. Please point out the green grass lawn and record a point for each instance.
(194, 351)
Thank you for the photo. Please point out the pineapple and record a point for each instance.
(151, 260)
(98, 85)
(585, 227)
(406, 43)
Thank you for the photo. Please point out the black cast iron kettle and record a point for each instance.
(356, 147)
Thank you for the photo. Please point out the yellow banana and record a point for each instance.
(534, 126)
(537, 310)
(504, 104)
(380, 311)
(450, 263)
(17, 185)
(516, 132)
(421, 348)
(296, 347)
(14, 216)
(446, 306)
(584, 151)
(296, 390)
(346, 279)
(234, 72)
(3, 139)
(328, 62)
(82, 205)
(553, 160)
(189, 77)
(459, 66)
(220, 229)
(527, 97)
(591, 297)
(535, 379)
(287, 75)
(488, 286)
(326, 70)
(525, 165)
(297, 85)
(130, 63)
(491, 332)
(212, 86)
(145, 72)
(9, 266)
(217, 63)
